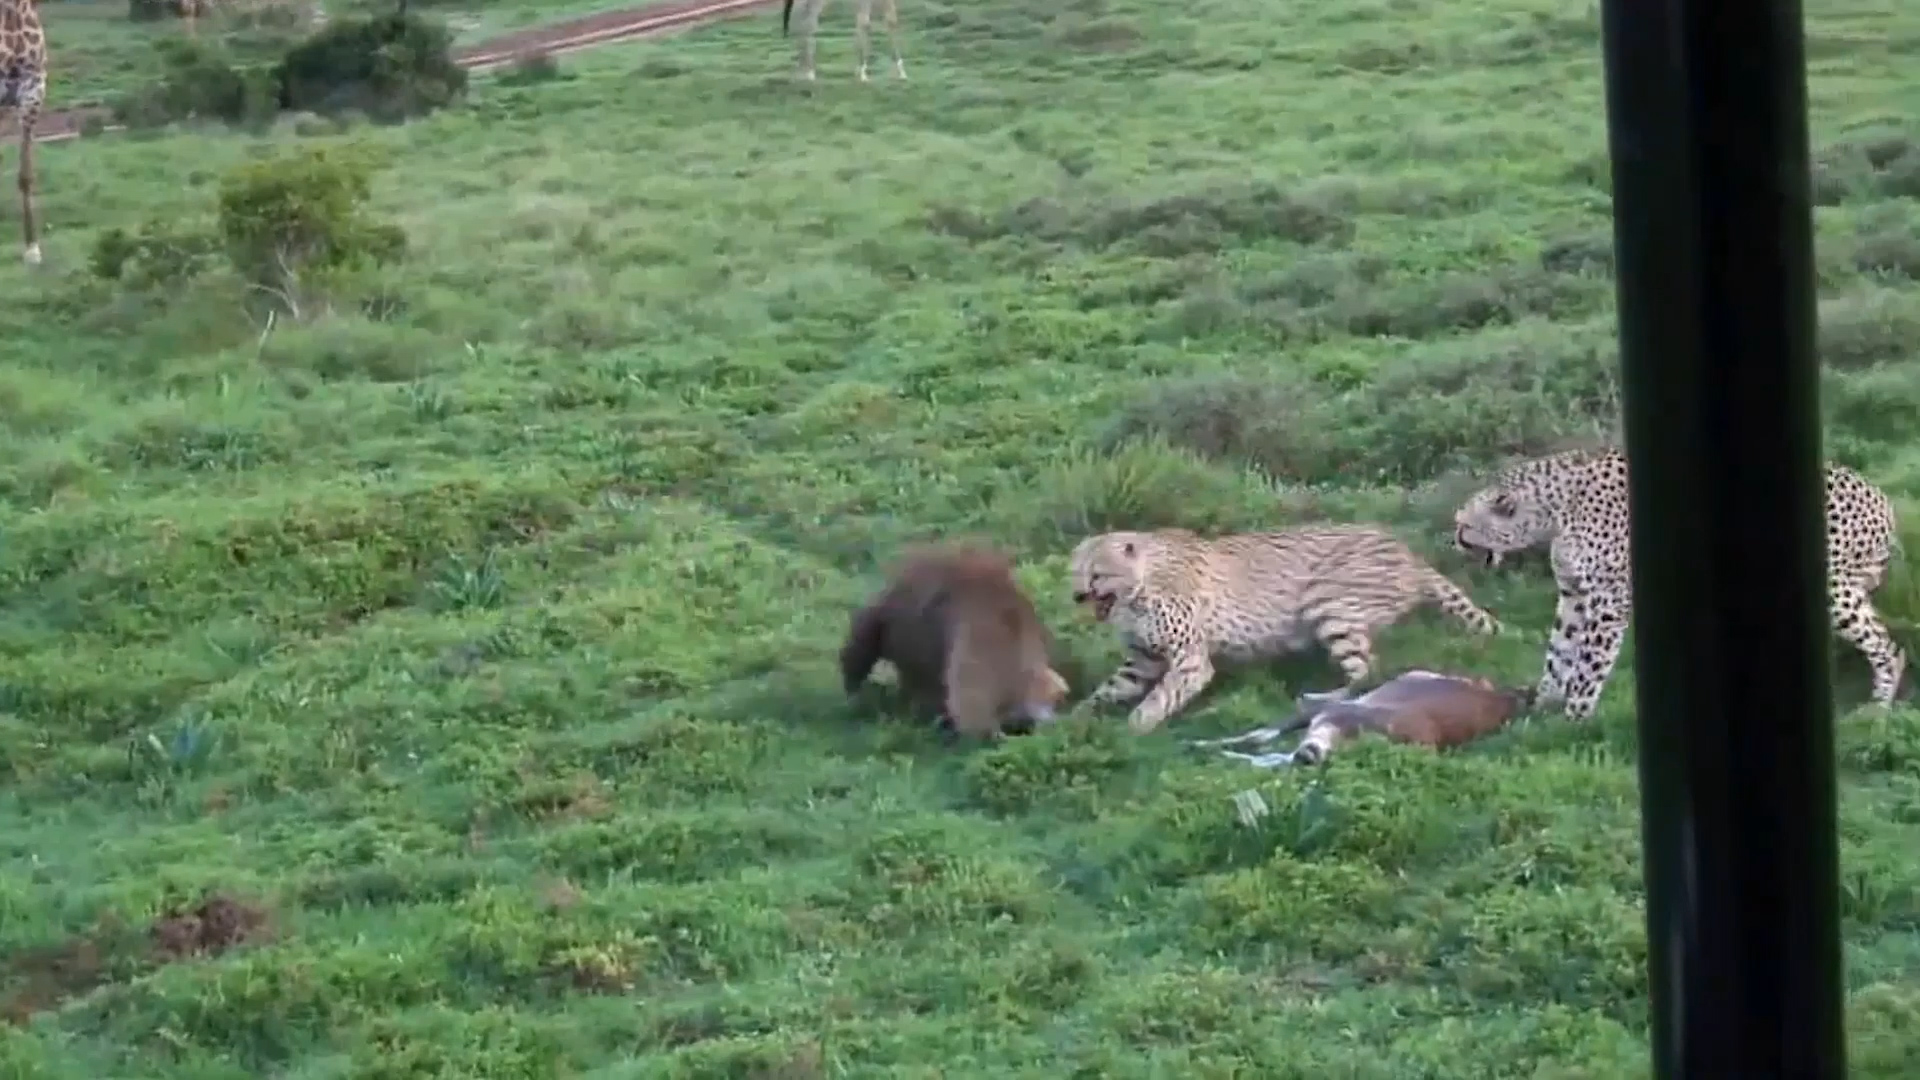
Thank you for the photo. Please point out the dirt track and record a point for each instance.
(557, 38)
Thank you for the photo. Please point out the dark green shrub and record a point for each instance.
(155, 10)
(387, 66)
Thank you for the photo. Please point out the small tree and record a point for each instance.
(290, 223)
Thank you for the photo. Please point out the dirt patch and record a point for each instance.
(215, 925)
(43, 978)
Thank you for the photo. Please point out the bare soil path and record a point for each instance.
(555, 38)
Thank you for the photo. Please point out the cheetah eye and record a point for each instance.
(1503, 505)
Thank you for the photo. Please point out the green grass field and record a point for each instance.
(479, 626)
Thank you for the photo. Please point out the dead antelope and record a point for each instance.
(862, 16)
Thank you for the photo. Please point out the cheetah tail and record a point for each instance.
(786, 13)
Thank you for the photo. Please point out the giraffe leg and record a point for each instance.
(862, 23)
(893, 37)
(29, 116)
(809, 29)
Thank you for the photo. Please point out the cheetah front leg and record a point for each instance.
(1588, 631)
(1142, 670)
(1860, 626)
(1188, 673)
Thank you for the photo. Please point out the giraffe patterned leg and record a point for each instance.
(893, 38)
(1859, 625)
(809, 29)
(862, 25)
(29, 117)
(1138, 675)
(1587, 635)
(1188, 673)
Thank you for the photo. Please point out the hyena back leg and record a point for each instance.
(1587, 634)
(1188, 673)
(1141, 671)
(1859, 625)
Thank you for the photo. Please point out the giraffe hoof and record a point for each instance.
(32, 254)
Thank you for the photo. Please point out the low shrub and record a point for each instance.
(158, 256)
(199, 81)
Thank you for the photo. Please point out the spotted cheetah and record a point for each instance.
(1576, 502)
(1180, 601)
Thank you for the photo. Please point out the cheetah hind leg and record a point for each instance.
(1859, 625)
(1351, 647)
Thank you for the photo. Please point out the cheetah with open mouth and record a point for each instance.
(1181, 601)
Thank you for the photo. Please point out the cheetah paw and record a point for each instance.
(1141, 724)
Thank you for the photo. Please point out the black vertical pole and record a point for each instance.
(1706, 104)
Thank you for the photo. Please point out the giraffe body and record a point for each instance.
(862, 21)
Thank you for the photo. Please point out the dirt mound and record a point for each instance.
(35, 980)
(215, 925)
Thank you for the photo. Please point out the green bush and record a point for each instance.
(199, 81)
(288, 220)
(387, 66)
(158, 256)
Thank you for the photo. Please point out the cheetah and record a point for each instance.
(1575, 501)
(1180, 601)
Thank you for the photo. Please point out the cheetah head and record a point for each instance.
(1106, 569)
(1498, 520)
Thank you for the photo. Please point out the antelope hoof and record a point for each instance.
(32, 254)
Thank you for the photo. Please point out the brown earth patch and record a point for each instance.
(39, 979)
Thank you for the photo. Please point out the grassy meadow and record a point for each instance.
(471, 635)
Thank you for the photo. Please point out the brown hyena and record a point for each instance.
(964, 639)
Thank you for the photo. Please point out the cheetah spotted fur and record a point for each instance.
(1576, 502)
(1180, 601)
